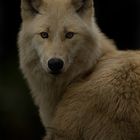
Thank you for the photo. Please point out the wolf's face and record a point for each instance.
(58, 30)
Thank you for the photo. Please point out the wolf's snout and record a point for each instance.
(55, 65)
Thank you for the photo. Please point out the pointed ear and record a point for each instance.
(83, 6)
(29, 8)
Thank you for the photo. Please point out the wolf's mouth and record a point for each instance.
(55, 73)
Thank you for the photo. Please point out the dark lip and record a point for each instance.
(56, 73)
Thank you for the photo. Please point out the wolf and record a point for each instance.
(85, 88)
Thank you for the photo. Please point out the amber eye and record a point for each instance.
(44, 34)
(69, 35)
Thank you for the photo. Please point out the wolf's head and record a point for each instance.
(61, 34)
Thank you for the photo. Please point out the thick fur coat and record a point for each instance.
(97, 94)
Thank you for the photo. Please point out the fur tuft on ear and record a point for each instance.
(82, 5)
(30, 7)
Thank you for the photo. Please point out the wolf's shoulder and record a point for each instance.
(120, 70)
(123, 65)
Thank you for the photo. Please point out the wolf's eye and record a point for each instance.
(44, 35)
(69, 35)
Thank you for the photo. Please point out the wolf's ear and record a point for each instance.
(83, 6)
(29, 8)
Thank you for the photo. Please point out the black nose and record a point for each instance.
(55, 65)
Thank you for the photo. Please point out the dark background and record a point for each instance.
(119, 19)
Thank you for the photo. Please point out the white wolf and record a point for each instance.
(84, 87)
